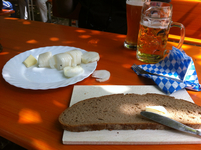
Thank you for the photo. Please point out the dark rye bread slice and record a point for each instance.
(122, 112)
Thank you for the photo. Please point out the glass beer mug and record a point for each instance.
(133, 12)
(156, 21)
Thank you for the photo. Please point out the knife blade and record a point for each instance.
(170, 122)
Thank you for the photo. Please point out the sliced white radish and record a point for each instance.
(76, 57)
(43, 59)
(101, 75)
(62, 60)
(73, 71)
(52, 62)
(90, 57)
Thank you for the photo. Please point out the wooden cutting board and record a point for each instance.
(123, 137)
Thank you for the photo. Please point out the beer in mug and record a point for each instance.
(133, 10)
(156, 21)
(152, 42)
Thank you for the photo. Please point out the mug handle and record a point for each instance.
(182, 33)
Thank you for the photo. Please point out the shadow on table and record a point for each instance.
(8, 145)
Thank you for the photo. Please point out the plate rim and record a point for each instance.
(35, 51)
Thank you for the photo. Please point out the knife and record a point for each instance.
(169, 122)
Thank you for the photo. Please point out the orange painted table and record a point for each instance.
(30, 117)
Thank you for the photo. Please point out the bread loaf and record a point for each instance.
(122, 112)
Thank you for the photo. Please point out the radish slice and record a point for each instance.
(73, 71)
(76, 57)
(43, 59)
(101, 75)
(90, 57)
(52, 62)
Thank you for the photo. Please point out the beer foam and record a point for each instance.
(135, 2)
(156, 25)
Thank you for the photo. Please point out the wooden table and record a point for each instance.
(30, 117)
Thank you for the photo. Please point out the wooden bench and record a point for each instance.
(187, 12)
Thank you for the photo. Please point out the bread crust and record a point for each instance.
(121, 99)
(94, 127)
(97, 127)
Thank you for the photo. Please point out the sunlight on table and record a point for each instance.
(26, 22)
(187, 39)
(58, 104)
(95, 32)
(84, 36)
(4, 53)
(80, 31)
(27, 116)
(192, 0)
(32, 41)
(54, 39)
(10, 18)
(94, 41)
(39, 144)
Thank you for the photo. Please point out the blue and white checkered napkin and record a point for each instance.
(174, 72)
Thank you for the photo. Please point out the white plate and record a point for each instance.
(16, 73)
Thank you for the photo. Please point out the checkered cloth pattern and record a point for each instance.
(174, 72)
